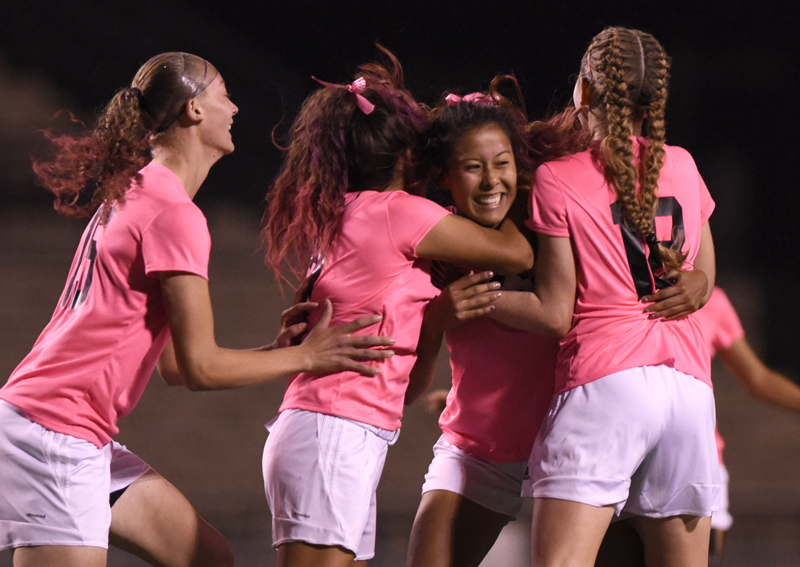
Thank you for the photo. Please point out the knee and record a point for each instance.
(213, 552)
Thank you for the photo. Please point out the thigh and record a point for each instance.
(300, 554)
(621, 547)
(155, 522)
(450, 529)
(567, 533)
(677, 541)
(60, 556)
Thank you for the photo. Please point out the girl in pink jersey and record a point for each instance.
(725, 337)
(630, 429)
(137, 295)
(340, 198)
(474, 150)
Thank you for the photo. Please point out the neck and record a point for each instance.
(187, 159)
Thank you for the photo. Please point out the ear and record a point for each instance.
(586, 92)
(192, 109)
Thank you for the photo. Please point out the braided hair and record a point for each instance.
(627, 72)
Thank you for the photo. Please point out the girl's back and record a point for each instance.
(611, 332)
(372, 268)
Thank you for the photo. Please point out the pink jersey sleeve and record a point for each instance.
(409, 220)
(177, 240)
(706, 202)
(548, 206)
(719, 322)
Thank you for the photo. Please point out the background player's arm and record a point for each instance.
(760, 381)
(469, 297)
(549, 309)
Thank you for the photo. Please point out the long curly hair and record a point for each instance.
(334, 148)
(627, 72)
(97, 168)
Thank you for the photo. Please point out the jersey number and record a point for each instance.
(81, 279)
(644, 268)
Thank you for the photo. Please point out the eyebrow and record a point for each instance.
(461, 160)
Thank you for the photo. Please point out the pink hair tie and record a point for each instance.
(356, 87)
(475, 98)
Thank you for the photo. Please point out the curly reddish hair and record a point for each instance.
(104, 161)
(335, 148)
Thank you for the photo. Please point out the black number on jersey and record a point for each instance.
(644, 269)
(81, 279)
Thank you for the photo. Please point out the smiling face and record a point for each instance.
(217, 110)
(482, 175)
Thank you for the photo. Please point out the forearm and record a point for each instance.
(218, 368)
(525, 311)
(776, 389)
(424, 370)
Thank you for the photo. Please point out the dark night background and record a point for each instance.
(733, 101)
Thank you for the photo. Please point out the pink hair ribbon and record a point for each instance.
(475, 98)
(356, 87)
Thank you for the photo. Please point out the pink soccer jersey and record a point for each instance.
(93, 360)
(609, 331)
(373, 268)
(719, 323)
(721, 327)
(502, 387)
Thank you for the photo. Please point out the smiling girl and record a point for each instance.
(475, 153)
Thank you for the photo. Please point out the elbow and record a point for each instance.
(518, 263)
(197, 378)
(557, 330)
(526, 262)
(559, 325)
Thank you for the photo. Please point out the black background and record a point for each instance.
(736, 70)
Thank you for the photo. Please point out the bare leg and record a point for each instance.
(155, 522)
(299, 554)
(566, 533)
(452, 530)
(621, 547)
(677, 541)
(715, 550)
(60, 556)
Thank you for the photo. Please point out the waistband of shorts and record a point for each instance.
(390, 437)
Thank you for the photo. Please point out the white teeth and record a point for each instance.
(489, 199)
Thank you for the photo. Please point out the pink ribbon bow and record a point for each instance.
(475, 98)
(356, 87)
